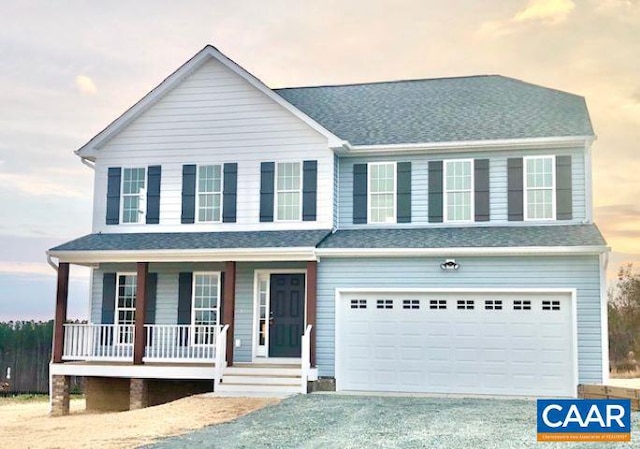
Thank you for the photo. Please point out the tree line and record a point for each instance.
(624, 320)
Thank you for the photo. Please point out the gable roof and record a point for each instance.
(475, 108)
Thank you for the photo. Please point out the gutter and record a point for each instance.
(51, 263)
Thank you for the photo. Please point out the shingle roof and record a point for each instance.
(194, 240)
(467, 237)
(442, 110)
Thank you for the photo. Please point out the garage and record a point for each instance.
(484, 342)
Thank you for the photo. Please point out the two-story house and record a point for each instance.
(411, 236)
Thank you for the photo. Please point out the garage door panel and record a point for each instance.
(505, 344)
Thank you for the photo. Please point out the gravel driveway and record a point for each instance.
(350, 421)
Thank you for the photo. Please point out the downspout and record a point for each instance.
(51, 263)
(604, 316)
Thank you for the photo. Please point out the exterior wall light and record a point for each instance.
(449, 264)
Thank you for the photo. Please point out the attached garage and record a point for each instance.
(519, 342)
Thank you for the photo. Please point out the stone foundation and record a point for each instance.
(138, 394)
(322, 384)
(60, 395)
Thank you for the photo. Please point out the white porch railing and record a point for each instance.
(306, 358)
(221, 355)
(98, 341)
(180, 342)
(164, 343)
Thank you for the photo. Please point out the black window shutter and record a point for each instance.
(108, 297)
(229, 192)
(188, 194)
(267, 180)
(113, 195)
(564, 194)
(309, 190)
(481, 189)
(185, 285)
(404, 192)
(150, 300)
(435, 192)
(515, 189)
(359, 193)
(154, 173)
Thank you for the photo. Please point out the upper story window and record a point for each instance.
(539, 188)
(209, 194)
(133, 194)
(458, 190)
(205, 306)
(288, 198)
(382, 192)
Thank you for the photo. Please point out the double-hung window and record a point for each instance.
(288, 191)
(382, 192)
(133, 194)
(539, 188)
(125, 312)
(205, 307)
(209, 193)
(458, 190)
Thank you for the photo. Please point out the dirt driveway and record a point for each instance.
(26, 424)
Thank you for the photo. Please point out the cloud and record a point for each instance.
(548, 12)
(40, 184)
(85, 85)
(26, 268)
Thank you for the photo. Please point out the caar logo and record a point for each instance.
(584, 420)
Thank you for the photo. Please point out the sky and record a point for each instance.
(70, 67)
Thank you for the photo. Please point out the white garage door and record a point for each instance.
(479, 343)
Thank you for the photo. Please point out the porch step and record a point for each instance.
(260, 380)
(257, 388)
(263, 370)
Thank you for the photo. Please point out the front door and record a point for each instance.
(286, 321)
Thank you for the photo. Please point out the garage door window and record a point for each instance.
(410, 303)
(384, 304)
(358, 303)
(438, 304)
(550, 305)
(468, 304)
(522, 305)
(491, 304)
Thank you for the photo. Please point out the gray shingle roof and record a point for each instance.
(442, 110)
(467, 237)
(194, 240)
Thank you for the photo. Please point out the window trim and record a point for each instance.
(198, 193)
(445, 192)
(142, 215)
(192, 326)
(395, 192)
(276, 191)
(116, 315)
(525, 188)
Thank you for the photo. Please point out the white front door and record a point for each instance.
(474, 343)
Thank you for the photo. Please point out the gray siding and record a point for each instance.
(582, 273)
(497, 183)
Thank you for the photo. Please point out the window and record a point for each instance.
(522, 305)
(438, 304)
(458, 190)
(539, 188)
(209, 193)
(206, 302)
(288, 191)
(384, 304)
(358, 303)
(550, 305)
(125, 312)
(410, 303)
(491, 304)
(467, 304)
(133, 194)
(382, 192)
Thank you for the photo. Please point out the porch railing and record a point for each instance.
(306, 358)
(164, 343)
(98, 341)
(221, 355)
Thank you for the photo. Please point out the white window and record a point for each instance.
(209, 193)
(288, 191)
(458, 190)
(382, 192)
(205, 307)
(539, 188)
(133, 194)
(125, 313)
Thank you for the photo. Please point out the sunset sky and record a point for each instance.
(70, 67)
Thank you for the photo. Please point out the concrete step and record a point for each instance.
(261, 380)
(248, 394)
(257, 388)
(263, 370)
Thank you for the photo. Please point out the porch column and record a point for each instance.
(141, 295)
(62, 296)
(229, 306)
(312, 286)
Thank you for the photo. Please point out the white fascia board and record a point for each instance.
(192, 255)
(119, 369)
(449, 252)
(88, 150)
(472, 145)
